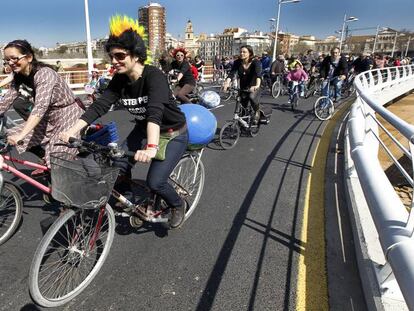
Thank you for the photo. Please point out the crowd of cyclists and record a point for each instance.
(53, 114)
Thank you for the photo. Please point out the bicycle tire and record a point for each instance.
(324, 108)
(71, 258)
(188, 185)
(295, 102)
(229, 135)
(310, 90)
(276, 89)
(10, 215)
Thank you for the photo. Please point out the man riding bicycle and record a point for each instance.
(334, 70)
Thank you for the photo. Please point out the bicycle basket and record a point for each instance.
(81, 182)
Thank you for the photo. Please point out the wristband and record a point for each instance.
(152, 146)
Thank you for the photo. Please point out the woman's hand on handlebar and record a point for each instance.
(145, 155)
(15, 139)
(65, 136)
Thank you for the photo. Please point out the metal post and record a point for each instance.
(408, 44)
(277, 29)
(342, 34)
(88, 39)
(395, 42)
(375, 40)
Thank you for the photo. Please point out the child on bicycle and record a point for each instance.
(299, 75)
(143, 90)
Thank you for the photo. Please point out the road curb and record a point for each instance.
(312, 290)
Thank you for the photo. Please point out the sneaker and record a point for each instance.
(289, 102)
(177, 215)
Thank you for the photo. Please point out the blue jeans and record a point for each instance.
(337, 85)
(159, 171)
(300, 89)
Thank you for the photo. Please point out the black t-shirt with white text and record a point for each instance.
(149, 99)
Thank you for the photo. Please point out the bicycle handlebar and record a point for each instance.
(112, 150)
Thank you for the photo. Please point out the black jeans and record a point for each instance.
(253, 97)
(159, 171)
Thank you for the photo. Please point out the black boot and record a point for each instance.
(177, 215)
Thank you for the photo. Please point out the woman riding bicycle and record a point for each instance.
(55, 107)
(249, 71)
(185, 78)
(144, 92)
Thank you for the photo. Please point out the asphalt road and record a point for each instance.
(238, 251)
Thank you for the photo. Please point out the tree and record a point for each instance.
(62, 49)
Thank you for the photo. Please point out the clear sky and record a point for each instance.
(45, 22)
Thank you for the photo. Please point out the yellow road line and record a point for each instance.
(312, 288)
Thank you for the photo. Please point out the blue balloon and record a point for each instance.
(201, 124)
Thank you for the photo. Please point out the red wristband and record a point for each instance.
(152, 146)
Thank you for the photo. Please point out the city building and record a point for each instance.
(325, 46)
(209, 47)
(152, 17)
(286, 43)
(226, 40)
(191, 42)
(257, 40)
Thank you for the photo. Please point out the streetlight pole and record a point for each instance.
(393, 46)
(279, 2)
(375, 40)
(349, 19)
(342, 34)
(88, 39)
(408, 44)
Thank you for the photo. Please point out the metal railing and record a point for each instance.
(75, 79)
(394, 223)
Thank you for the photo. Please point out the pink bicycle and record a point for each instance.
(11, 201)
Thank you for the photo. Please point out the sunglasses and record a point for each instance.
(12, 60)
(118, 56)
(180, 55)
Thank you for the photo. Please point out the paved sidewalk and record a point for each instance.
(404, 108)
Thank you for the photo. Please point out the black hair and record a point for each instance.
(25, 48)
(131, 41)
(250, 49)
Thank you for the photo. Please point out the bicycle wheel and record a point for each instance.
(229, 135)
(225, 96)
(310, 90)
(276, 88)
(70, 255)
(11, 208)
(295, 101)
(324, 108)
(188, 180)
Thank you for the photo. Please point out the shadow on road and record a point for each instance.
(240, 220)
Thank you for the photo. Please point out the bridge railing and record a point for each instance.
(394, 223)
(76, 79)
